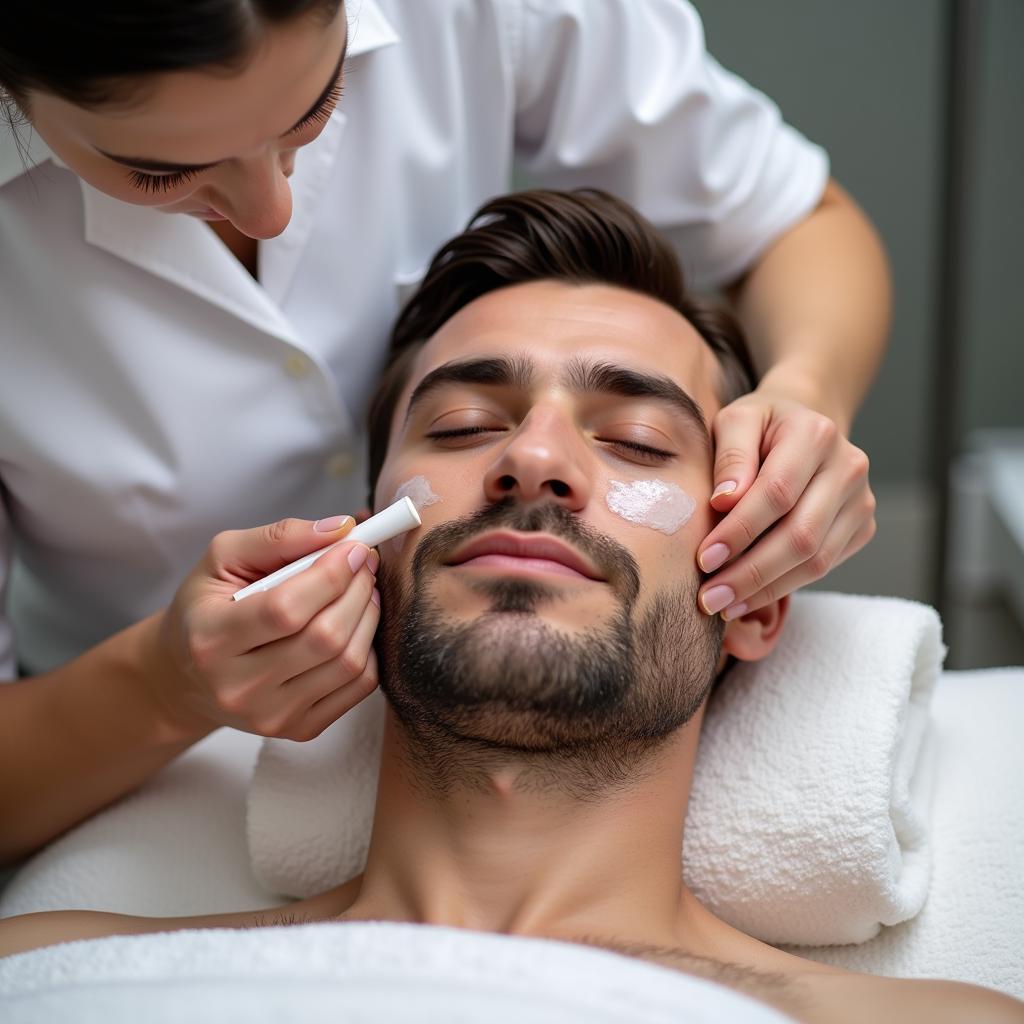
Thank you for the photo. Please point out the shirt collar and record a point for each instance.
(368, 28)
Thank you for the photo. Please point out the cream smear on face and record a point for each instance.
(653, 503)
(419, 489)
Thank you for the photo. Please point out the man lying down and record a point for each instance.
(544, 659)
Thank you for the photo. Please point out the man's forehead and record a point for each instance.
(551, 325)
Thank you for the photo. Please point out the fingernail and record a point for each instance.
(373, 561)
(357, 556)
(735, 611)
(713, 557)
(331, 524)
(375, 597)
(717, 598)
(725, 487)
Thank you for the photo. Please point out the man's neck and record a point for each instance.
(512, 851)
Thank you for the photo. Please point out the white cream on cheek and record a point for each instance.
(419, 489)
(654, 503)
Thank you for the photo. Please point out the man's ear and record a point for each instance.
(754, 635)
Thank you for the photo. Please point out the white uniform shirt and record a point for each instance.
(152, 393)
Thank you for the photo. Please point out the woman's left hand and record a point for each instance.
(798, 501)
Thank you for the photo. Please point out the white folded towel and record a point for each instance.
(356, 973)
(807, 819)
(175, 846)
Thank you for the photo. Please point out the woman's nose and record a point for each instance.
(258, 197)
(543, 460)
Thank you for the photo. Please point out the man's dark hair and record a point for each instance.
(581, 237)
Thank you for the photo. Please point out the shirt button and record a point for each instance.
(296, 365)
(340, 465)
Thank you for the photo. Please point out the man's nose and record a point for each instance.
(544, 459)
(257, 198)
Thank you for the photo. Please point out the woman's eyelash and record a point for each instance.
(160, 182)
(633, 446)
(324, 111)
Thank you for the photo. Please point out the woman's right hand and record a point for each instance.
(286, 662)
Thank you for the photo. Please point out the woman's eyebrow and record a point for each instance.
(142, 163)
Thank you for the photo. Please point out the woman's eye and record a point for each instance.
(460, 437)
(157, 183)
(634, 450)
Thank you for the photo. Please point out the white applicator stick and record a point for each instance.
(390, 522)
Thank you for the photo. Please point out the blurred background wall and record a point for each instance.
(875, 83)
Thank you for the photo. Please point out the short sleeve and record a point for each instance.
(8, 665)
(623, 95)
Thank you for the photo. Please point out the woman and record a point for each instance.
(202, 247)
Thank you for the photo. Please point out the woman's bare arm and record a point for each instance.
(34, 931)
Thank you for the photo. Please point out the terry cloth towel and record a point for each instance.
(357, 973)
(807, 821)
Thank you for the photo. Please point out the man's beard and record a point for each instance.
(585, 709)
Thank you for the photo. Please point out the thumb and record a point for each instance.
(263, 549)
(737, 432)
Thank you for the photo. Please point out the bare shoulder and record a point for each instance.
(849, 998)
(956, 1001)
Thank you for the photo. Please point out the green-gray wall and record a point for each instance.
(868, 80)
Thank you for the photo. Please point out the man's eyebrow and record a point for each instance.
(585, 376)
(500, 371)
(145, 164)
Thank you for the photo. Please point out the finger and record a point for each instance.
(783, 479)
(737, 434)
(835, 542)
(299, 695)
(327, 711)
(859, 540)
(288, 609)
(319, 682)
(325, 636)
(244, 556)
(795, 538)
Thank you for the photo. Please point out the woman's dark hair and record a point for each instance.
(581, 237)
(94, 52)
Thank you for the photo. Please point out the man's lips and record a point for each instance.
(532, 552)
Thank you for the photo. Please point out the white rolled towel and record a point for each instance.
(808, 816)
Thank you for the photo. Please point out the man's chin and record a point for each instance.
(554, 602)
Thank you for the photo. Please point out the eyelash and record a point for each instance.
(633, 446)
(324, 111)
(159, 183)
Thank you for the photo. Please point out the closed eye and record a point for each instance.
(460, 432)
(160, 183)
(643, 450)
(324, 110)
(157, 183)
(647, 452)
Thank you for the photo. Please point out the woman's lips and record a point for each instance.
(523, 564)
